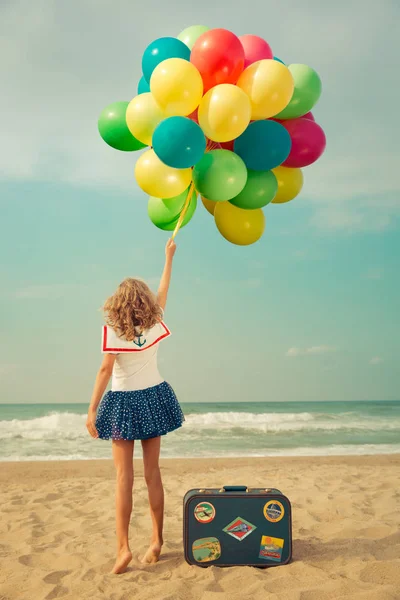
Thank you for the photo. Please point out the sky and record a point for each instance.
(308, 313)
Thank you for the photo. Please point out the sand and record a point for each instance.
(57, 531)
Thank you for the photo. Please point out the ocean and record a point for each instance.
(58, 432)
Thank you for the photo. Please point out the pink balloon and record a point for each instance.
(255, 49)
(308, 142)
(308, 116)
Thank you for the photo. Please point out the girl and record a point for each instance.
(140, 406)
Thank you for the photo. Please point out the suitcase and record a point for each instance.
(236, 525)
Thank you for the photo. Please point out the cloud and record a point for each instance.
(52, 97)
(312, 351)
(362, 214)
(376, 360)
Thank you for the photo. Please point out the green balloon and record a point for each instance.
(220, 175)
(260, 190)
(189, 214)
(307, 90)
(190, 35)
(114, 130)
(165, 214)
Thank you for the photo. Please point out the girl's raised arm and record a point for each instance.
(166, 276)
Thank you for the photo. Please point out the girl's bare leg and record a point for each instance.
(123, 460)
(152, 474)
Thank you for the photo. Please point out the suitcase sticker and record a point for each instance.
(239, 528)
(206, 549)
(274, 511)
(271, 548)
(204, 512)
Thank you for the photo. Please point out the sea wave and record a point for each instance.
(72, 425)
(286, 422)
(170, 453)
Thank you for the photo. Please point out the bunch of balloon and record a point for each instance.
(222, 118)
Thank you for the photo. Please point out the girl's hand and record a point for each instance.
(170, 249)
(91, 424)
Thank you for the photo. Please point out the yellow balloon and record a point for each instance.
(177, 87)
(157, 179)
(290, 182)
(224, 112)
(239, 226)
(269, 84)
(142, 117)
(209, 205)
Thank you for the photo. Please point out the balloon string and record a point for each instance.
(184, 210)
(210, 146)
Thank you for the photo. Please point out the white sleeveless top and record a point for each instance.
(135, 367)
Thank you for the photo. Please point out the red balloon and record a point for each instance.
(226, 145)
(309, 116)
(194, 116)
(219, 57)
(308, 142)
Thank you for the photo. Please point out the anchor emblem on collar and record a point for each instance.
(139, 341)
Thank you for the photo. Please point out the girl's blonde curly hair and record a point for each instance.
(132, 309)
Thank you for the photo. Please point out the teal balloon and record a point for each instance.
(114, 130)
(279, 60)
(307, 90)
(143, 86)
(165, 214)
(264, 145)
(220, 175)
(260, 189)
(179, 142)
(162, 49)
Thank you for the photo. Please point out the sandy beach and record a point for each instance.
(57, 531)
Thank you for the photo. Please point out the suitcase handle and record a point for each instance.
(234, 488)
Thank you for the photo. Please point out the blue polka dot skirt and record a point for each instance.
(139, 415)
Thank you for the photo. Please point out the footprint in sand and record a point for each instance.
(55, 577)
(57, 592)
(25, 560)
(89, 575)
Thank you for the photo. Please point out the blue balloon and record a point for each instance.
(279, 60)
(143, 87)
(162, 49)
(179, 142)
(264, 145)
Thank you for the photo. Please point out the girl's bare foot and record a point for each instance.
(153, 554)
(123, 559)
